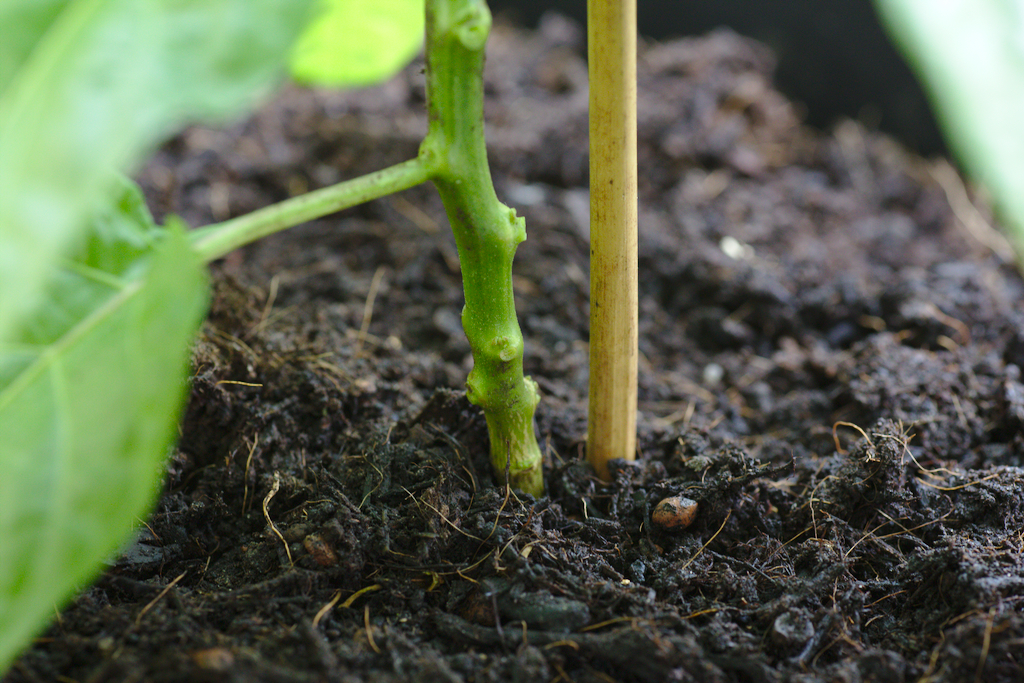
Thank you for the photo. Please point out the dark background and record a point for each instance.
(833, 55)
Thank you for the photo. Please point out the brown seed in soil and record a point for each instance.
(674, 513)
(323, 554)
(214, 659)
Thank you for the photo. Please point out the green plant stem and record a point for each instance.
(214, 241)
(486, 232)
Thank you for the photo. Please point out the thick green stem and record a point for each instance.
(214, 241)
(486, 232)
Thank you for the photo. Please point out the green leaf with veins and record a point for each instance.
(87, 86)
(89, 404)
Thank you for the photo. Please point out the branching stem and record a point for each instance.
(487, 232)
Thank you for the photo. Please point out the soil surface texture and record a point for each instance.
(831, 342)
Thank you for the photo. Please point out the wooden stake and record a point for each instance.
(611, 35)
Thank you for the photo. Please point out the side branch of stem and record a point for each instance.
(214, 241)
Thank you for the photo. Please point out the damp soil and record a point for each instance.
(830, 343)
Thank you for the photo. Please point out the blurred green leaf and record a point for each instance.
(120, 235)
(90, 85)
(88, 411)
(359, 42)
(969, 55)
(32, 17)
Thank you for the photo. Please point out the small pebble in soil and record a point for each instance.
(674, 513)
(214, 659)
(792, 629)
(713, 374)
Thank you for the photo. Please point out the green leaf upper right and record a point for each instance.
(969, 54)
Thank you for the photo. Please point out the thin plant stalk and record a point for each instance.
(611, 35)
(214, 241)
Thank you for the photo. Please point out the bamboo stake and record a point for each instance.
(611, 36)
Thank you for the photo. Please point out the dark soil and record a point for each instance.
(829, 367)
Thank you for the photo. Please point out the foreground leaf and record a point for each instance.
(359, 42)
(87, 417)
(90, 85)
(970, 57)
(32, 17)
(120, 236)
